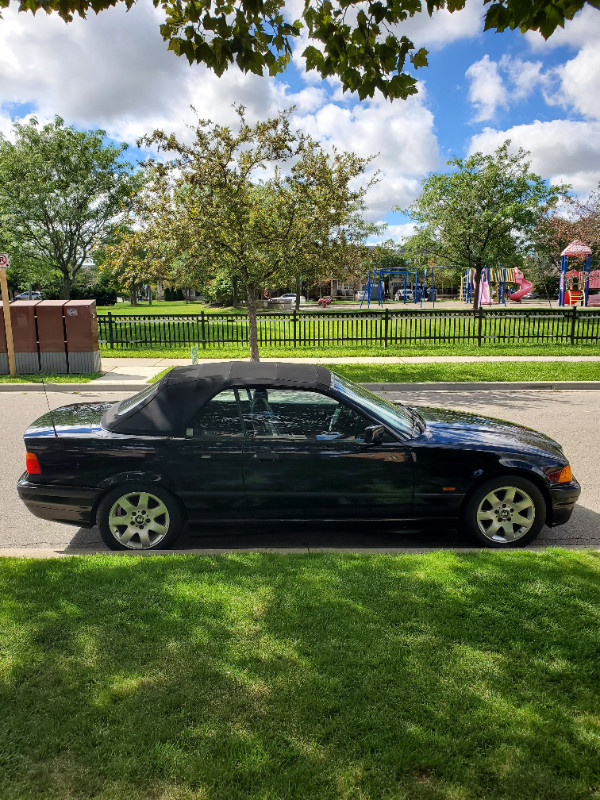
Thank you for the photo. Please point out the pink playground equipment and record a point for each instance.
(525, 287)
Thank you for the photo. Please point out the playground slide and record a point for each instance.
(526, 287)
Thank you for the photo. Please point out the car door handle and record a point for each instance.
(266, 455)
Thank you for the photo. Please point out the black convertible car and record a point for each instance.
(237, 441)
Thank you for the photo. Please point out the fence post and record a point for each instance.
(111, 342)
(573, 323)
(202, 328)
(294, 323)
(386, 327)
(479, 325)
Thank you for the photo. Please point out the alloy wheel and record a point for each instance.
(506, 514)
(139, 520)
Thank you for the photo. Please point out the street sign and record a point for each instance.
(4, 260)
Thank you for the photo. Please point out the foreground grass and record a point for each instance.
(84, 377)
(444, 675)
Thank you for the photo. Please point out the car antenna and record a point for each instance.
(49, 409)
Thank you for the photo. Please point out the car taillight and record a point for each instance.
(32, 465)
(563, 475)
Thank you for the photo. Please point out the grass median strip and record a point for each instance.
(319, 676)
(48, 378)
(458, 373)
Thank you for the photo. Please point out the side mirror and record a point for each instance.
(374, 434)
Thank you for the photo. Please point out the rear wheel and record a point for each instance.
(139, 517)
(505, 512)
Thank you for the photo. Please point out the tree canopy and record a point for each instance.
(212, 210)
(61, 192)
(360, 42)
(484, 213)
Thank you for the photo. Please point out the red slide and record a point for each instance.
(526, 287)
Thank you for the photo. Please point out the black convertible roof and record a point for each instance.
(165, 408)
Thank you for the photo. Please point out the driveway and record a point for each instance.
(573, 418)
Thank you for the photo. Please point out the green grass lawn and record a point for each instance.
(220, 353)
(84, 377)
(421, 677)
(491, 371)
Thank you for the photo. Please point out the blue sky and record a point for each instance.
(113, 71)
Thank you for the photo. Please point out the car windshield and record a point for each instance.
(401, 418)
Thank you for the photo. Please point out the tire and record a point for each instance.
(508, 511)
(139, 517)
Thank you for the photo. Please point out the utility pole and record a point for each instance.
(10, 346)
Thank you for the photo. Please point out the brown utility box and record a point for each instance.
(81, 326)
(25, 339)
(51, 335)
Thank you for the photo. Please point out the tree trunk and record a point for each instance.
(149, 295)
(478, 271)
(252, 322)
(298, 290)
(66, 287)
(133, 297)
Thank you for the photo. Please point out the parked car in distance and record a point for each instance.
(29, 296)
(238, 441)
(287, 298)
(401, 295)
(532, 296)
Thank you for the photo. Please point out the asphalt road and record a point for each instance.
(573, 418)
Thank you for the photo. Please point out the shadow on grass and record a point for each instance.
(317, 676)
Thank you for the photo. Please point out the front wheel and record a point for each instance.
(507, 511)
(139, 517)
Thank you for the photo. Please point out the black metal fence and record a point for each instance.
(384, 328)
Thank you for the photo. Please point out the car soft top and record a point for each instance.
(166, 408)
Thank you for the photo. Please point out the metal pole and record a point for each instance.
(10, 346)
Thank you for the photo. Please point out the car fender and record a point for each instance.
(513, 466)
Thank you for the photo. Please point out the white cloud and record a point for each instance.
(583, 29)
(397, 233)
(487, 91)
(579, 80)
(114, 71)
(403, 135)
(523, 76)
(442, 27)
(561, 150)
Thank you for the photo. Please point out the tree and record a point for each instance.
(359, 42)
(61, 192)
(206, 212)
(575, 219)
(485, 212)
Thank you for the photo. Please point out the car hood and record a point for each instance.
(77, 419)
(456, 428)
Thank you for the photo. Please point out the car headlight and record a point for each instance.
(561, 475)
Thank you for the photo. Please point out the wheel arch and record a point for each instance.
(520, 471)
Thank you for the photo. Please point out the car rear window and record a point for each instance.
(138, 399)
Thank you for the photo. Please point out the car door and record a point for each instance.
(208, 463)
(305, 457)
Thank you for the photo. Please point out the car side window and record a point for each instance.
(219, 417)
(287, 413)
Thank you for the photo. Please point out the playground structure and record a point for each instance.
(575, 285)
(494, 286)
(421, 291)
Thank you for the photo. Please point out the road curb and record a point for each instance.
(45, 553)
(484, 386)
